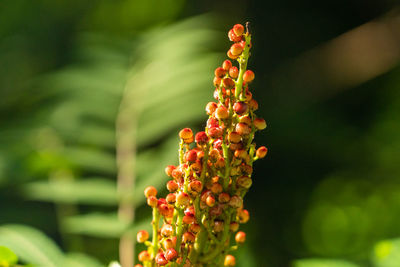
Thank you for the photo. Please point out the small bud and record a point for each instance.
(172, 186)
(242, 129)
(240, 108)
(228, 83)
(186, 133)
(219, 72)
(167, 243)
(182, 199)
(234, 137)
(245, 119)
(195, 186)
(261, 152)
(236, 49)
(201, 139)
(161, 260)
(234, 72)
(230, 55)
(210, 201)
(243, 216)
(224, 197)
(260, 124)
(238, 29)
(188, 237)
(152, 201)
(229, 261)
(248, 76)
(240, 237)
(191, 156)
(169, 169)
(142, 236)
(234, 226)
(166, 230)
(150, 191)
(227, 65)
(236, 202)
(221, 113)
(216, 188)
(233, 37)
(144, 256)
(215, 132)
(171, 254)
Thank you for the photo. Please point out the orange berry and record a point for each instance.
(248, 76)
(221, 113)
(229, 260)
(228, 83)
(195, 186)
(171, 254)
(142, 236)
(240, 108)
(161, 260)
(238, 29)
(191, 155)
(144, 256)
(215, 132)
(245, 119)
(234, 226)
(170, 198)
(166, 230)
(261, 152)
(242, 129)
(169, 169)
(216, 188)
(188, 219)
(210, 201)
(186, 133)
(152, 201)
(211, 107)
(236, 202)
(234, 72)
(236, 49)
(231, 56)
(182, 199)
(167, 243)
(194, 228)
(234, 137)
(240, 237)
(138, 265)
(227, 65)
(233, 37)
(253, 104)
(219, 72)
(217, 81)
(260, 123)
(243, 216)
(150, 191)
(172, 186)
(224, 197)
(188, 237)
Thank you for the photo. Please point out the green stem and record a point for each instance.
(156, 220)
(242, 65)
(179, 231)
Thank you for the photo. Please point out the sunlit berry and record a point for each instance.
(167, 243)
(195, 186)
(194, 228)
(172, 186)
(177, 173)
(228, 83)
(260, 124)
(229, 261)
(238, 29)
(169, 169)
(243, 216)
(150, 191)
(166, 230)
(186, 133)
(236, 202)
(188, 219)
(234, 72)
(152, 201)
(170, 198)
(182, 199)
(240, 237)
(188, 237)
(165, 210)
(240, 108)
(144, 256)
(221, 113)
(210, 201)
(233, 37)
(171, 254)
(253, 104)
(234, 137)
(142, 236)
(191, 156)
(217, 81)
(161, 260)
(219, 72)
(261, 152)
(248, 76)
(236, 49)
(216, 188)
(138, 265)
(215, 132)
(224, 197)
(234, 226)
(231, 56)
(211, 107)
(242, 129)
(227, 65)
(201, 138)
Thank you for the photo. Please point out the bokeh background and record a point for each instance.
(328, 85)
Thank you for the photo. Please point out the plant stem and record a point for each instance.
(243, 65)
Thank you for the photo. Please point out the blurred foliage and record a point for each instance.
(328, 195)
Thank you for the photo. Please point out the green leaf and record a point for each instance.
(317, 262)
(97, 191)
(7, 257)
(31, 245)
(386, 253)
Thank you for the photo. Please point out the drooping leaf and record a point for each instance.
(7, 257)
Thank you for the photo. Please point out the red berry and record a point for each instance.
(233, 37)
(142, 236)
(216, 188)
(229, 261)
(240, 237)
(227, 65)
(234, 72)
(240, 108)
(144, 256)
(152, 201)
(238, 29)
(161, 260)
(212, 122)
(248, 76)
(201, 138)
(171, 254)
(169, 169)
(261, 152)
(150, 191)
(170, 198)
(215, 132)
(219, 72)
(211, 107)
(236, 49)
(172, 186)
(186, 133)
(242, 129)
(191, 156)
(260, 124)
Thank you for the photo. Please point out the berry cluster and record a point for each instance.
(205, 203)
